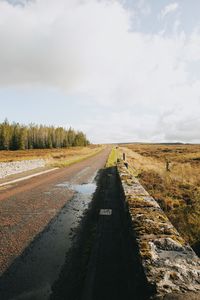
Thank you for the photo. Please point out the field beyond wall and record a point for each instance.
(171, 174)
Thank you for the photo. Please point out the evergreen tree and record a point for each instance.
(19, 137)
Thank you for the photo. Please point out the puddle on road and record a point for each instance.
(32, 275)
(87, 188)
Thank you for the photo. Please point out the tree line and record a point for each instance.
(16, 136)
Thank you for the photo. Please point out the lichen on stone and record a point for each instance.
(169, 262)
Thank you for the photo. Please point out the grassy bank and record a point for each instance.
(112, 159)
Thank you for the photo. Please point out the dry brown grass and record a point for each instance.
(60, 157)
(177, 190)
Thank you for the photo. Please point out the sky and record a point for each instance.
(119, 70)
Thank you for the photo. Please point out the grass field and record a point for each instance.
(177, 189)
(55, 157)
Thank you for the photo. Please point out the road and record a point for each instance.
(39, 219)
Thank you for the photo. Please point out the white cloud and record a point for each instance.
(144, 7)
(168, 9)
(86, 48)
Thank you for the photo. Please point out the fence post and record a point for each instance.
(167, 165)
(124, 156)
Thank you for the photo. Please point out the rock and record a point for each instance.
(168, 244)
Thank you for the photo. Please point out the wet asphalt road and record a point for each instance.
(39, 219)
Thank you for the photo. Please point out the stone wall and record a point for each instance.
(10, 168)
(170, 265)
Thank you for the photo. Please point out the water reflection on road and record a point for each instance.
(85, 189)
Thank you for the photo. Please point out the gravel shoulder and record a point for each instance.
(23, 174)
(16, 167)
